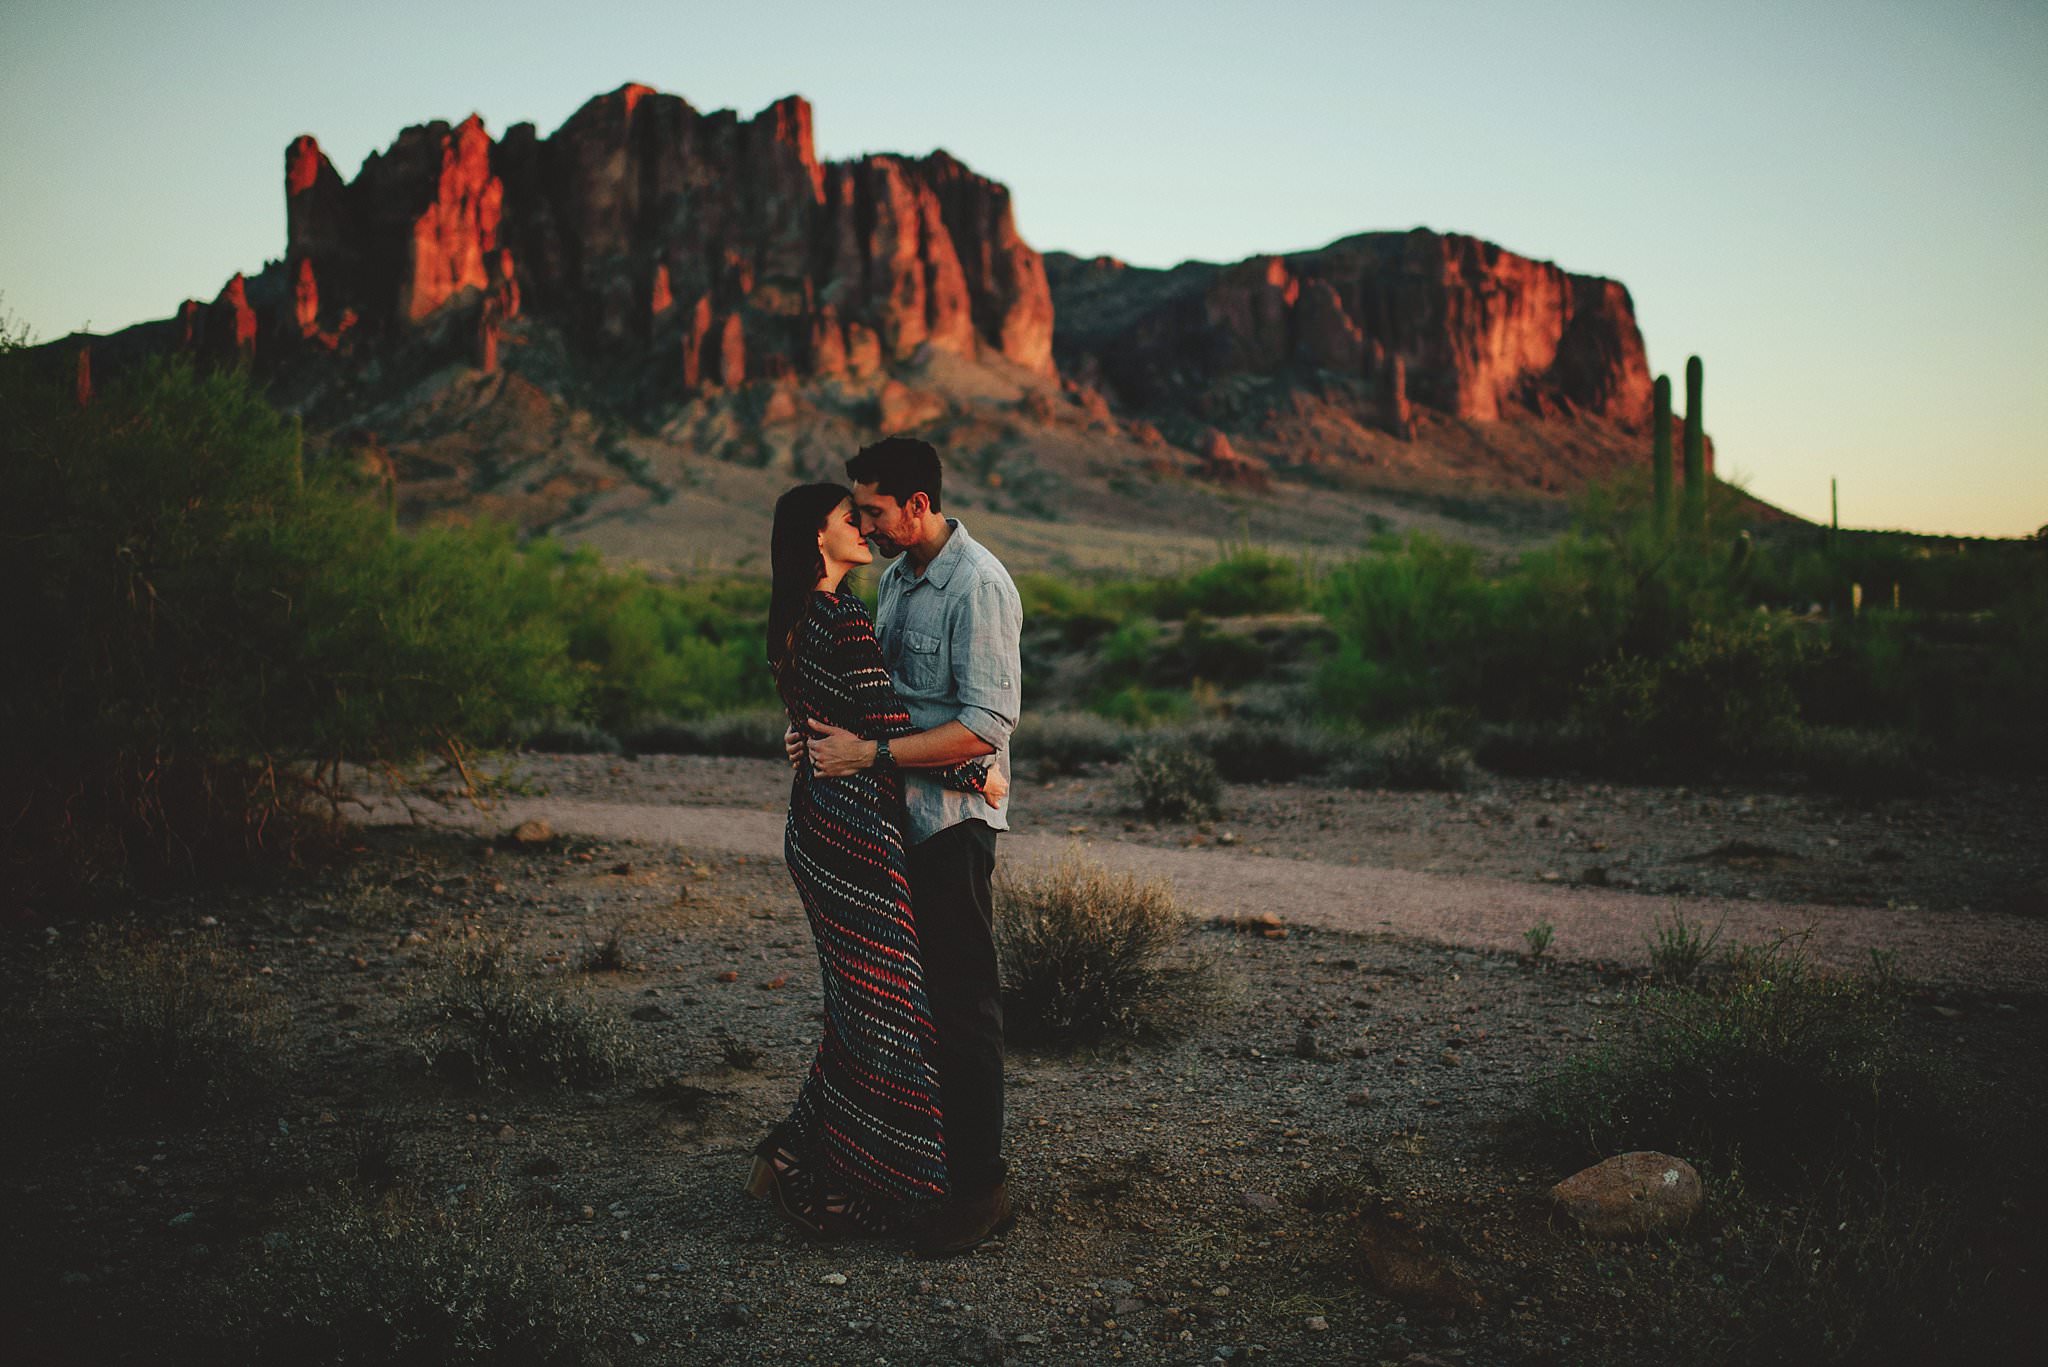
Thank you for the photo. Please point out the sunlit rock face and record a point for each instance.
(1479, 333)
(719, 243)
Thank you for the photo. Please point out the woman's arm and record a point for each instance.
(877, 712)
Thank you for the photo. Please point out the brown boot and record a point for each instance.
(967, 1222)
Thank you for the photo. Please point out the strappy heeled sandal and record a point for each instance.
(779, 1172)
(861, 1216)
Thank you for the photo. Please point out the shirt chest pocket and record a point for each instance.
(924, 662)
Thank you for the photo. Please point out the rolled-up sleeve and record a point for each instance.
(986, 628)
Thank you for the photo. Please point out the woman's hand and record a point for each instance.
(996, 788)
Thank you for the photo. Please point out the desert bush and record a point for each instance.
(1869, 765)
(1410, 757)
(647, 647)
(1680, 948)
(752, 733)
(1723, 695)
(217, 625)
(1087, 954)
(1778, 1070)
(135, 1016)
(1067, 742)
(1247, 580)
(408, 1278)
(1532, 749)
(1267, 751)
(1172, 781)
(560, 735)
(483, 1016)
(1893, 1278)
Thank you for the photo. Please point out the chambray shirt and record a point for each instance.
(950, 639)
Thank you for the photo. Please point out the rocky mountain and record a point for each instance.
(574, 330)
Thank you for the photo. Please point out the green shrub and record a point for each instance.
(1407, 757)
(1172, 781)
(1533, 749)
(1680, 948)
(1780, 1069)
(217, 626)
(408, 1279)
(566, 736)
(1136, 706)
(1067, 742)
(755, 733)
(1267, 751)
(1721, 696)
(168, 1023)
(1868, 765)
(1244, 582)
(482, 1016)
(1088, 954)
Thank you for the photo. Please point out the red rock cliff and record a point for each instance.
(1482, 333)
(640, 214)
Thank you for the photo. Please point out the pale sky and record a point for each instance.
(1842, 207)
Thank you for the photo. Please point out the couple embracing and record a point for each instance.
(899, 736)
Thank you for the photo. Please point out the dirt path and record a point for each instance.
(1982, 951)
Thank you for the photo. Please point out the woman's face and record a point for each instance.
(840, 541)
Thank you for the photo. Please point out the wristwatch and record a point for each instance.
(883, 759)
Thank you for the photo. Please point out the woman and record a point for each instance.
(862, 1148)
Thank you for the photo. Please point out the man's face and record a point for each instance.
(888, 525)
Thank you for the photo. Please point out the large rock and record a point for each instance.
(1631, 1194)
(640, 202)
(1484, 334)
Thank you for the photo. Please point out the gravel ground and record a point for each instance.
(1209, 1197)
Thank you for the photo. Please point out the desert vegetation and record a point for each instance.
(298, 1093)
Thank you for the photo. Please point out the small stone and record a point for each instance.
(650, 1012)
(1116, 1286)
(506, 1134)
(1264, 1202)
(1361, 1097)
(1220, 1292)
(1225, 838)
(534, 832)
(833, 1279)
(729, 976)
(1449, 1058)
(1317, 1324)
(774, 983)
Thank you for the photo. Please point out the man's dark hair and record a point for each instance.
(898, 467)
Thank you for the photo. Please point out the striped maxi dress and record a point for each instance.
(868, 1114)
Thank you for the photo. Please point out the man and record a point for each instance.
(949, 620)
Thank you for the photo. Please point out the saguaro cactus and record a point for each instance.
(1660, 453)
(1695, 450)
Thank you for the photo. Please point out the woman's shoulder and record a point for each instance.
(838, 607)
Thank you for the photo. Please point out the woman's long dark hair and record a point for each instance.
(796, 566)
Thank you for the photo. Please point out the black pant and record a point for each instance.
(950, 892)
